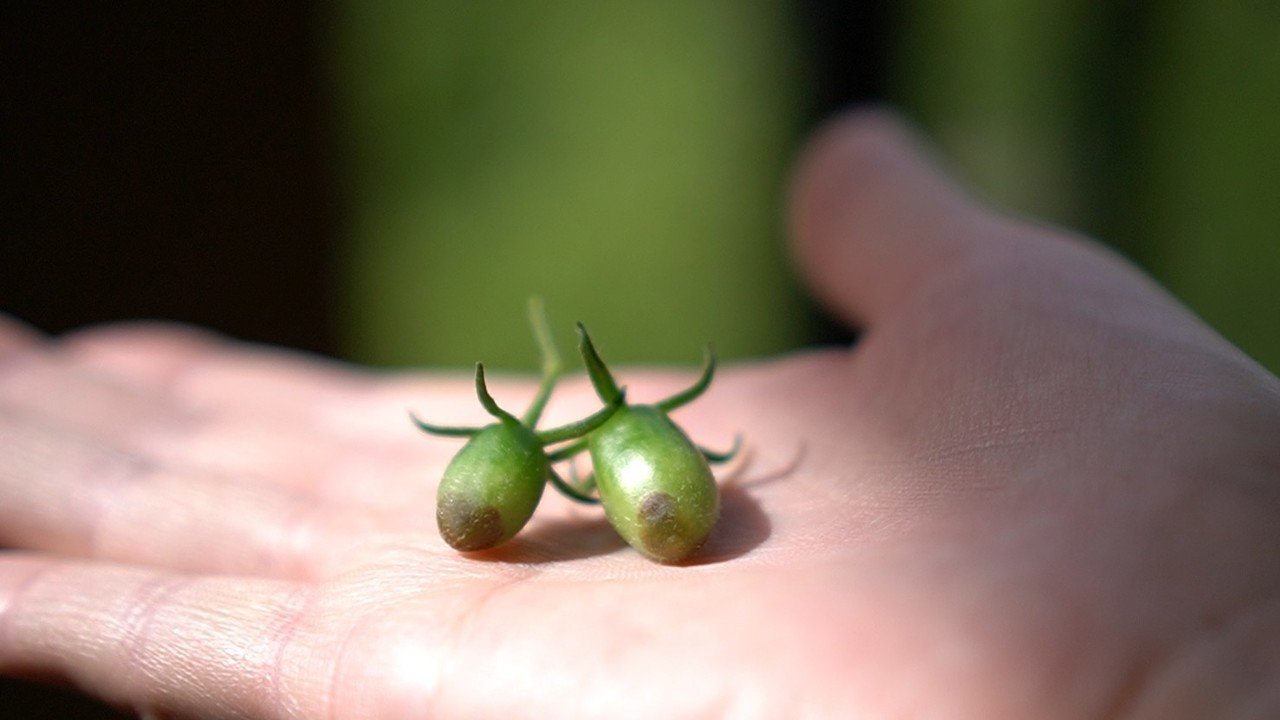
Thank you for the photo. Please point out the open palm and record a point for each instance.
(1036, 487)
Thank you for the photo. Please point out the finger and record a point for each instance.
(67, 493)
(188, 398)
(201, 372)
(874, 221)
(47, 388)
(363, 464)
(16, 337)
(153, 641)
(879, 230)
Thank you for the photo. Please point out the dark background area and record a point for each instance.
(168, 160)
(177, 161)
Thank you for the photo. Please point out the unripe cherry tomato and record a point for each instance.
(655, 484)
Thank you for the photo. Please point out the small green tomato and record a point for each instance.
(493, 484)
(655, 484)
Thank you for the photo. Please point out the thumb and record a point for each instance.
(874, 222)
(16, 337)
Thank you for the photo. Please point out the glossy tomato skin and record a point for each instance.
(491, 487)
(656, 487)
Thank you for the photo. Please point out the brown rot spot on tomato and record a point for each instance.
(660, 528)
(657, 508)
(467, 527)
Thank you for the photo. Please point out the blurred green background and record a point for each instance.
(624, 160)
(628, 160)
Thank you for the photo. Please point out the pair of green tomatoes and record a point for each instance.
(655, 485)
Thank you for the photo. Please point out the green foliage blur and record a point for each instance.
(624, 160)
(628, 161)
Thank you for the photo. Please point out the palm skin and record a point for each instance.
(1036, 487)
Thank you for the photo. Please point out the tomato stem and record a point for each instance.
(578, 494)
(582, 427)
(551, 364)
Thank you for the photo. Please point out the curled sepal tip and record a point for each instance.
(490, 405)
(717, 458)
(688, 395)
(442, 430)
(601, 378)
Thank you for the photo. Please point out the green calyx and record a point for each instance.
(559, 434)
(552, 367)
(602, 380)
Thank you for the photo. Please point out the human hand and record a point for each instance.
(1036, 487)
